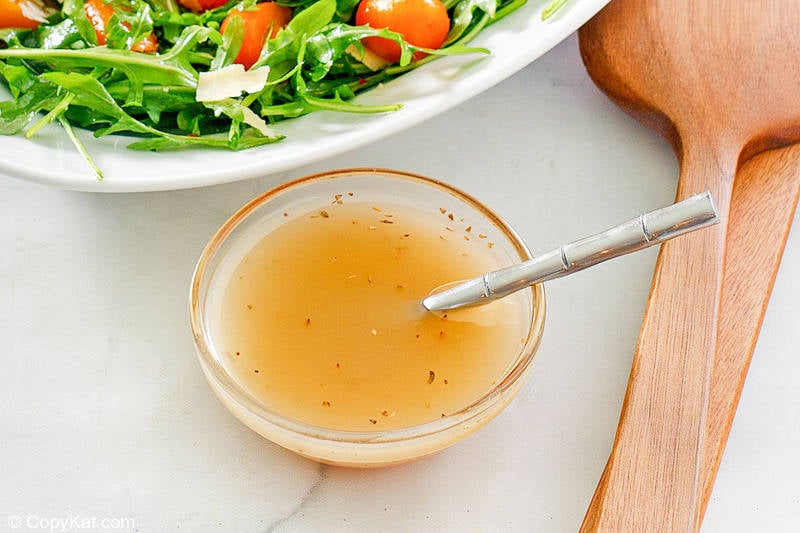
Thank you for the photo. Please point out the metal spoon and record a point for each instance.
(636, 234)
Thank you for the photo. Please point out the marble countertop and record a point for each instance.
(106, 415)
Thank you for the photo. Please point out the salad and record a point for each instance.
(213, 73)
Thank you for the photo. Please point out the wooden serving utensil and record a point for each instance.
(718, 80)
(765, 195)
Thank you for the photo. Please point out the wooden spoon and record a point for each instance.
(718, 80)
(765, 195)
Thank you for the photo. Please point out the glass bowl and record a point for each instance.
(379, 447)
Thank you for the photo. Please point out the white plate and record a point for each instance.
(515, 41)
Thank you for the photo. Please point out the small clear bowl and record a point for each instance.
(351, 448)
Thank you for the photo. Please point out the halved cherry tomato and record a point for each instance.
(99, 13)
(260, 24)
(198, 6)
(11, 16)
(423, 23)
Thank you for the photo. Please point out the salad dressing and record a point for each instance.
(322, 321)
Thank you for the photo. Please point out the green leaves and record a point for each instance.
(129, 26)
(31, 96)
(17, 115)
(74, 11)
(465, 16)
(231, 44)
(312, 19)
(168, 69)
(90, 93)
(57, 73)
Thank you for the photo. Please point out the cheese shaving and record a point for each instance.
(230, 81)
(35, 10)
(253, 120)
(370, 59)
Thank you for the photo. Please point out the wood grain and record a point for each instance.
(757, 232)
(717, 79)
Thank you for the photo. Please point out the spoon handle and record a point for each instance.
(646, 230)
(765, 196)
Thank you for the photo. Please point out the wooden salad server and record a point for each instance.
(765, 194)
(718, 79)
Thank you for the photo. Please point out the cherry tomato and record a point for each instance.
(11, 16)
(198, 6)
(99, 13)
(268, 17)
(422, 23)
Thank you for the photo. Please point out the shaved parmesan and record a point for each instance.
(35, 10)
(371, 60)
(230, 81)
(253, 120)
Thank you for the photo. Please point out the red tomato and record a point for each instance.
(268, 17)
(423, 23)
(99, 13)
(198, 6)
(11, 16)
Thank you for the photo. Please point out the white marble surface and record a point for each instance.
(105, 413)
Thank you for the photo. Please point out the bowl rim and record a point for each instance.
(222, 381)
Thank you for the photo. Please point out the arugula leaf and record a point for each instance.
(231, 44)
(330, 43)
(345, 9)
(62, 34)
(80, 148)
(19, 78)
(156, 100)
(89, 92)
(464, 16)
(167, 69)
(16, 115)
(12, 36)
(312, 19)
(129, 26)
(249, 139)
(75, 11)
(31, 96)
